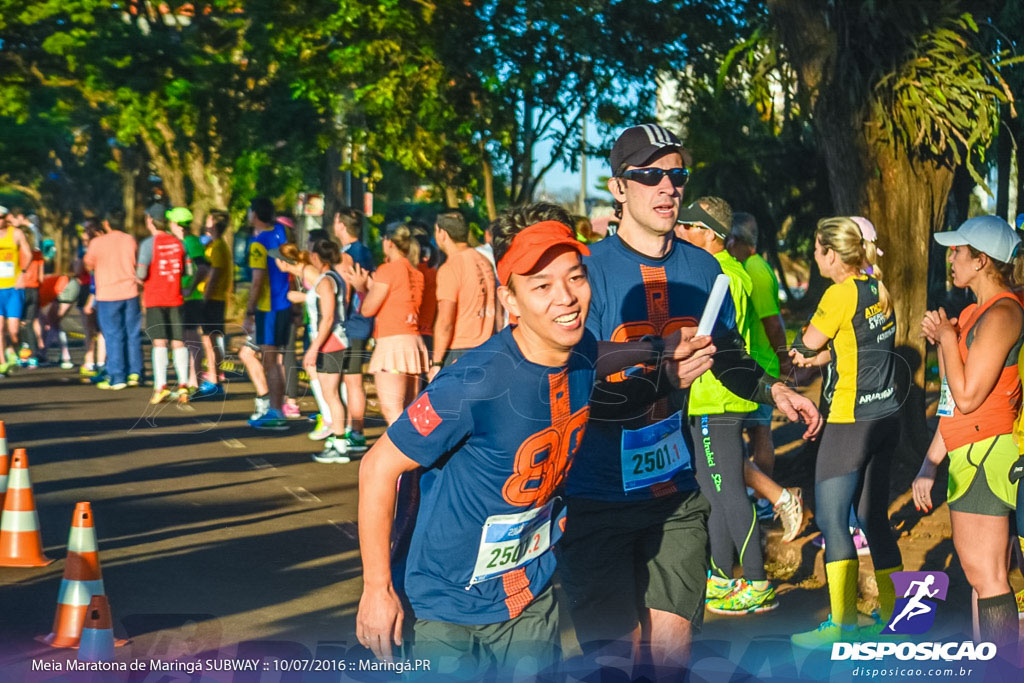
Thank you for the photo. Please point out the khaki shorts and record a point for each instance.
(522, 647)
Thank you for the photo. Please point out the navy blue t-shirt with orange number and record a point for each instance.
(497, 435)
(634, 296)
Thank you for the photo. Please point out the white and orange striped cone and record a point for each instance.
(21, 544)
(82, 580)
(5, 463)
(97, 642)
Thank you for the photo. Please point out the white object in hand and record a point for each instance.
(710, 314)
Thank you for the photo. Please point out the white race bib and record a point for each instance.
(510, 541)
(654, 453)
(946, 403)
(6, 269)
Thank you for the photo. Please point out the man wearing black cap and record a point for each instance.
(634, 553)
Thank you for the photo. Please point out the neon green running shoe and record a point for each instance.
(718, 589)
(821, 638)
(874, 631)
(746, 599)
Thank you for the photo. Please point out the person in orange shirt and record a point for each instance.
(32, 349)
(427, 266)
(394, 296)
(465, 294)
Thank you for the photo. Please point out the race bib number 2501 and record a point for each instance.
(654, 453)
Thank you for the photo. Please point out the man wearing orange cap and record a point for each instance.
(495, 434)
(634, 555)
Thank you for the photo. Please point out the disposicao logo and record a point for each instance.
(914, 614)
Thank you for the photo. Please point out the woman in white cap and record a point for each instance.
(978, 404)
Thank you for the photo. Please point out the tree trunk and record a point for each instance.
(488, 173)
(451, 197)
(1004, 160)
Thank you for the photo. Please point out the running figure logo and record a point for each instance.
(915, 612)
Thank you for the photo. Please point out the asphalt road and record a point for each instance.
(211, 534)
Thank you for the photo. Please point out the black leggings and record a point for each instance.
(853, 465)
(28, 317)
(732, 526)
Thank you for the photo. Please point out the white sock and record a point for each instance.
(181, 365)
(318, 394)
(784, 498)
(344, 392)
(159, 366)
(64, 353)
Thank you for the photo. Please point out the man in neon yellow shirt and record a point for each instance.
(15, 259)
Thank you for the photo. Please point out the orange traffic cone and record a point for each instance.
(20, 542)
(5, 463)
(82, 580)
(98, 632)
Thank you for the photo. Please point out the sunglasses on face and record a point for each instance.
(652, 176)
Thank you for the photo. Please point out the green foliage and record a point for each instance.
(943, 100)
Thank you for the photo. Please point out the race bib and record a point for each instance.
(6, 266)
(946, 403)
(510, 541)
(654, 453)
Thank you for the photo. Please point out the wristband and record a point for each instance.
(436, 364)
(801, 348)
(763, 393)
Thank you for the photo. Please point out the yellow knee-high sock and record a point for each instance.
(886, 592)
(842, 591)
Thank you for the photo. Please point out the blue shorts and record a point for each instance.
(12, 303)
(762, 417)
(272, 327)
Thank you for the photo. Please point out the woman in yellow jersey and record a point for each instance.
(852, 332)
(979, 401)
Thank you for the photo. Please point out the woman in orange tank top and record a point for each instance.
(979, 402)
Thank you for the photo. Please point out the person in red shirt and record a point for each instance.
(394, 296)
(161, 264)
(428, 267)
(32, 349)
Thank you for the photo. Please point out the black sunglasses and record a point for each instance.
(652, 176)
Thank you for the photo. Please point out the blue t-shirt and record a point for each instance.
(276, 278)
(634, 296)
(358, 326)
(496, 434)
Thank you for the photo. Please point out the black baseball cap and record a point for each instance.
(638, 145)
(157, 212)
(695, 214)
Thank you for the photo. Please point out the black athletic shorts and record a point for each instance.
(165, 322)
(213, 317)
(355, 357)
(330, 363)
(193, 314)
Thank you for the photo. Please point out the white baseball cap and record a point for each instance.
(988, 234)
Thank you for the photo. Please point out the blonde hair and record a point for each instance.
(843, 236)
(289, 250)
(401, 236)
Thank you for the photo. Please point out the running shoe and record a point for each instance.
(356, 441)
(270, 420)
(207, 390)
(12, 356)
(262, 406)
(160, 395)
(291, 411)
(874, 630)
(32, 362)
(322, 430)
(24, 353)
(106, 385)
(791, 513)
(66, 364)
(821, 638)
(1020, 605)
(334, 452)
(87, 370)
(101, 374)
(134, 380)
(859, 542)
(182, 396)
(717, 589)
(5, 368)
(745, 599)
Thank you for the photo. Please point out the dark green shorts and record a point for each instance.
(523, 647)
(354, 357)
(618, 560)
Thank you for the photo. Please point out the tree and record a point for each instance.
(899, 95)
